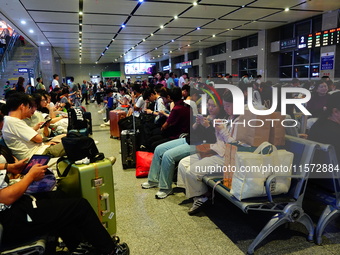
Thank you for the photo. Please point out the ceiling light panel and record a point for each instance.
(60, 5)
(103, 19)
(147, 21)
(58, 18)
(163, 8)
(250, 14)
(208, 12)
(119, 6)
(58, 27)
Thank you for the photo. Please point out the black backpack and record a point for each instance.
(76, 119)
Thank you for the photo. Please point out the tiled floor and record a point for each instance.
(152, 226)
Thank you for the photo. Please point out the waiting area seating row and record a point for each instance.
(288, 207)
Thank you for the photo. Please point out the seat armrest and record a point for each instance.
(271, 177)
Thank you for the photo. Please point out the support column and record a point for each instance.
(202, 66)
(329, 21)
(46, 64)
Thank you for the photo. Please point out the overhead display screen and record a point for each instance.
(324, 38)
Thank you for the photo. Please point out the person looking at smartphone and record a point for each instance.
(203, 126)
(21, 139)
(42, 114)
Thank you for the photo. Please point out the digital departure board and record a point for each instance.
(324, 38)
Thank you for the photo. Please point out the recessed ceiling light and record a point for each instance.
(102, 53)
(156, 48)
(151, 34)
(31, 31)
(161, 26)
(23, 22)
(42, 43)
(144, 40)
(96, 62)
(113, 39)
(175, 17)
(170, 51)
(80, 24)
(133, 48)
(106, 47)
(286, 9)
(123, 26)
(194, 3)
(198, 28)
(80, 32)
(213, 35)
(172, 40)
(80, 13)
(141, 1)
(188, 45)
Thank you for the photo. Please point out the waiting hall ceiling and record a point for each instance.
(147, 30)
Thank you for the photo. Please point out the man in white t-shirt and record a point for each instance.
(55, 82)
(138, 102)
(182, 80)
(21, 139)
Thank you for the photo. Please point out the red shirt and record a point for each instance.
(179, 119)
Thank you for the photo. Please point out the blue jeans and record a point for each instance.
(165, 157)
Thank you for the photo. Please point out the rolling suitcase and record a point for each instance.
(95, 183)
(128, 148)
(115, 116)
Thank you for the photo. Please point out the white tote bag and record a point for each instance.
(253, 168)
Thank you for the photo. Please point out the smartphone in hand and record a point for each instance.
(44, 124)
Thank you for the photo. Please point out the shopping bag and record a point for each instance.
(247, 133)
(229, 165)
(252, 170)
(143, 163)
(277, 130)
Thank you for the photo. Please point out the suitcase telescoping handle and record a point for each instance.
(105, 196)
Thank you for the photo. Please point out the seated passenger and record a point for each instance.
(189, 174)
(21, 139)
(168, 154)
(327, 128)
(40, 116)
(318, 100)
(124, 100)
(73, 219)
(176, 124)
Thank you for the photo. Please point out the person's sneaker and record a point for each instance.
(149, 185)
(107, 123)
(121, 249)
(102, 125)
(163, 193)
(101, 111)
(199, 203)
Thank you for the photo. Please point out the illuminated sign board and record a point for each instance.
(184, 65)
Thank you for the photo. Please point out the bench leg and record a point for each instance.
(276, 221)
(308, 223)
(327, 215)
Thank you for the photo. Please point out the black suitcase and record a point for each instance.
(128, 148)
